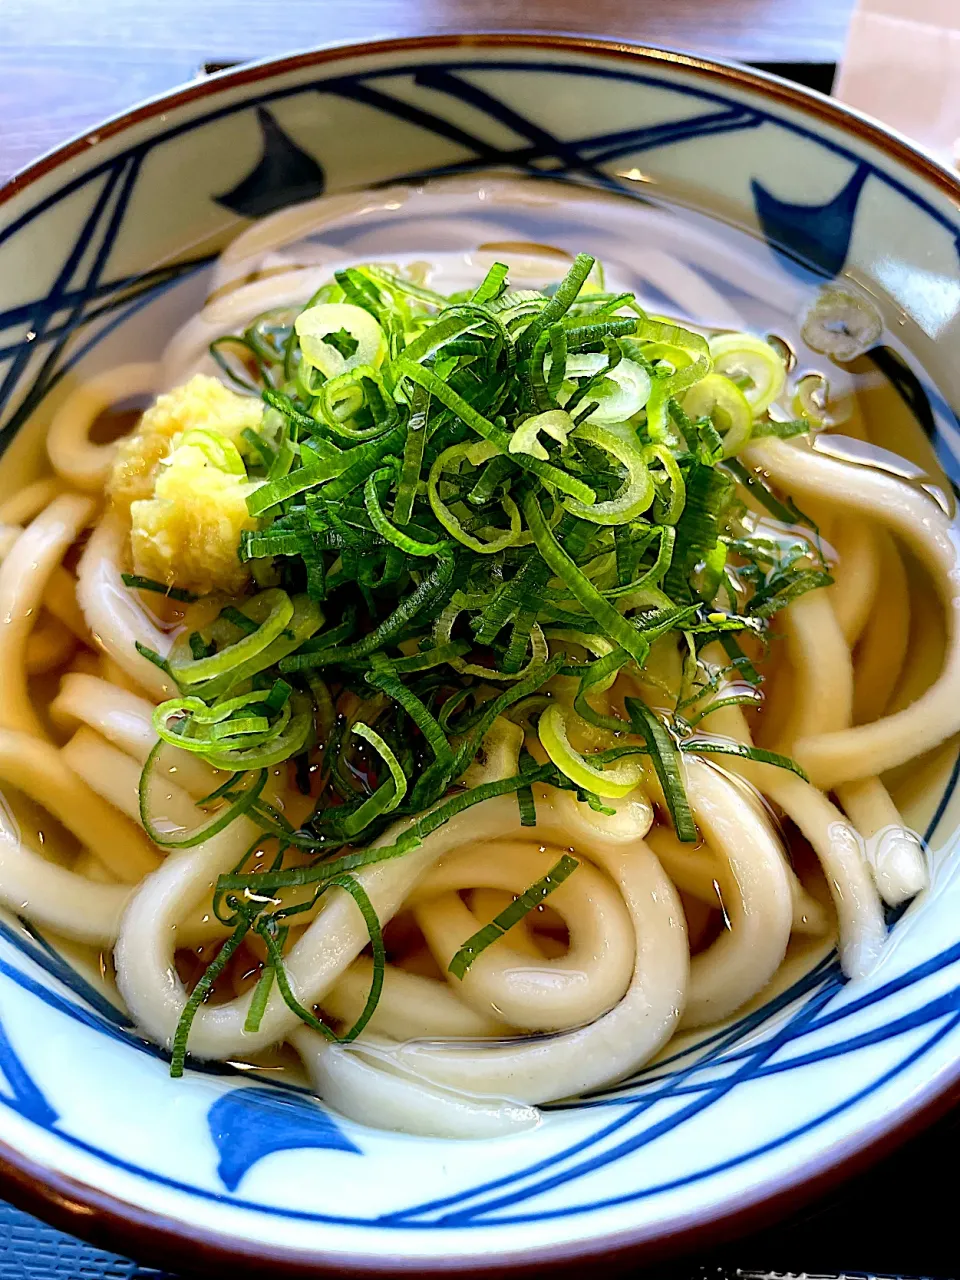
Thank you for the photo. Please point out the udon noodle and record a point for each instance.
(651, 937)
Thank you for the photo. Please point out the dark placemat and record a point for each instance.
(880, 1224)
(30, 1250)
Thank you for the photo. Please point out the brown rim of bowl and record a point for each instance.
(108, 1221)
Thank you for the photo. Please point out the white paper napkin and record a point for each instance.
(902, 65)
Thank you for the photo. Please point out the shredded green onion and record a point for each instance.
(666, 761)
(528, 901)
(501, 500)
(136, 582)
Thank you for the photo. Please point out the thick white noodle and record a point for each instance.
(835, 842)
(546, 995)
(21, 507)
(50, 642)
(412, 1007)
(882, 648)
(821, 670)
(60, 599)
(24, 575)
(856, 576)
(610, 1047)
(107, 770)
(148, 980)
(822, 681)
(570, 1062)
(893, 851)
(71, 451)
(114, 615)
(756, 898)
(122, 717)
(51, 895)
(126, 720)
(372, 1089)
(846, 755)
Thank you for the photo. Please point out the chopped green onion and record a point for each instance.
(727, 747)
(410, 546)
(170, 835)
(200, 993)
(666, 761)
(499, 539)
(511, 915)
(637, 491)
(616, 627)
(151, 655)
(269, 613)
(741, 356)
(385, 798)
(465, 482)
(721, 400)
(608, 783)
(527, 806)
(240, 620)
(136, 582)
(447, 396)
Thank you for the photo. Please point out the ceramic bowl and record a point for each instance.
(102, 243)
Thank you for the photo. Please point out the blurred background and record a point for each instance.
(66, 64)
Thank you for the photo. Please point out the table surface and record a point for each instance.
(66, 64)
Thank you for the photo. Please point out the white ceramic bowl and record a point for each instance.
(94, 1134)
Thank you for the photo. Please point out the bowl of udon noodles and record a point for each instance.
(479, 659)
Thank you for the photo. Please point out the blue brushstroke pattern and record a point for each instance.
(21, 1094)
(285, 174)
(816, 234)
(248, 1124)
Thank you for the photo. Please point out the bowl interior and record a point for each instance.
(746, 197)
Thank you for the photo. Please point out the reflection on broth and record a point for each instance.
(734, 550)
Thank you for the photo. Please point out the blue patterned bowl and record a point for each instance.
(241, 1171)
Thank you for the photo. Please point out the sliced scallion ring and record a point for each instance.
(245, 792)
(673, 477)
(667, 354)
(306, 619)
(841, 323)
(810, 398)
(388, 795)
(637, 491)
(717, 398)
(295, 736)
(500, 537)
(443, 631)
(338, 401)
(813, 402)
(597, 645)
(271, 610)
(336, 337)
(623, 391)
(217, 449)
(557, 424)
(745, 359)
(613, 782)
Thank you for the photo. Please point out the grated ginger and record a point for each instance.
(186, 511)
(202, 402)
